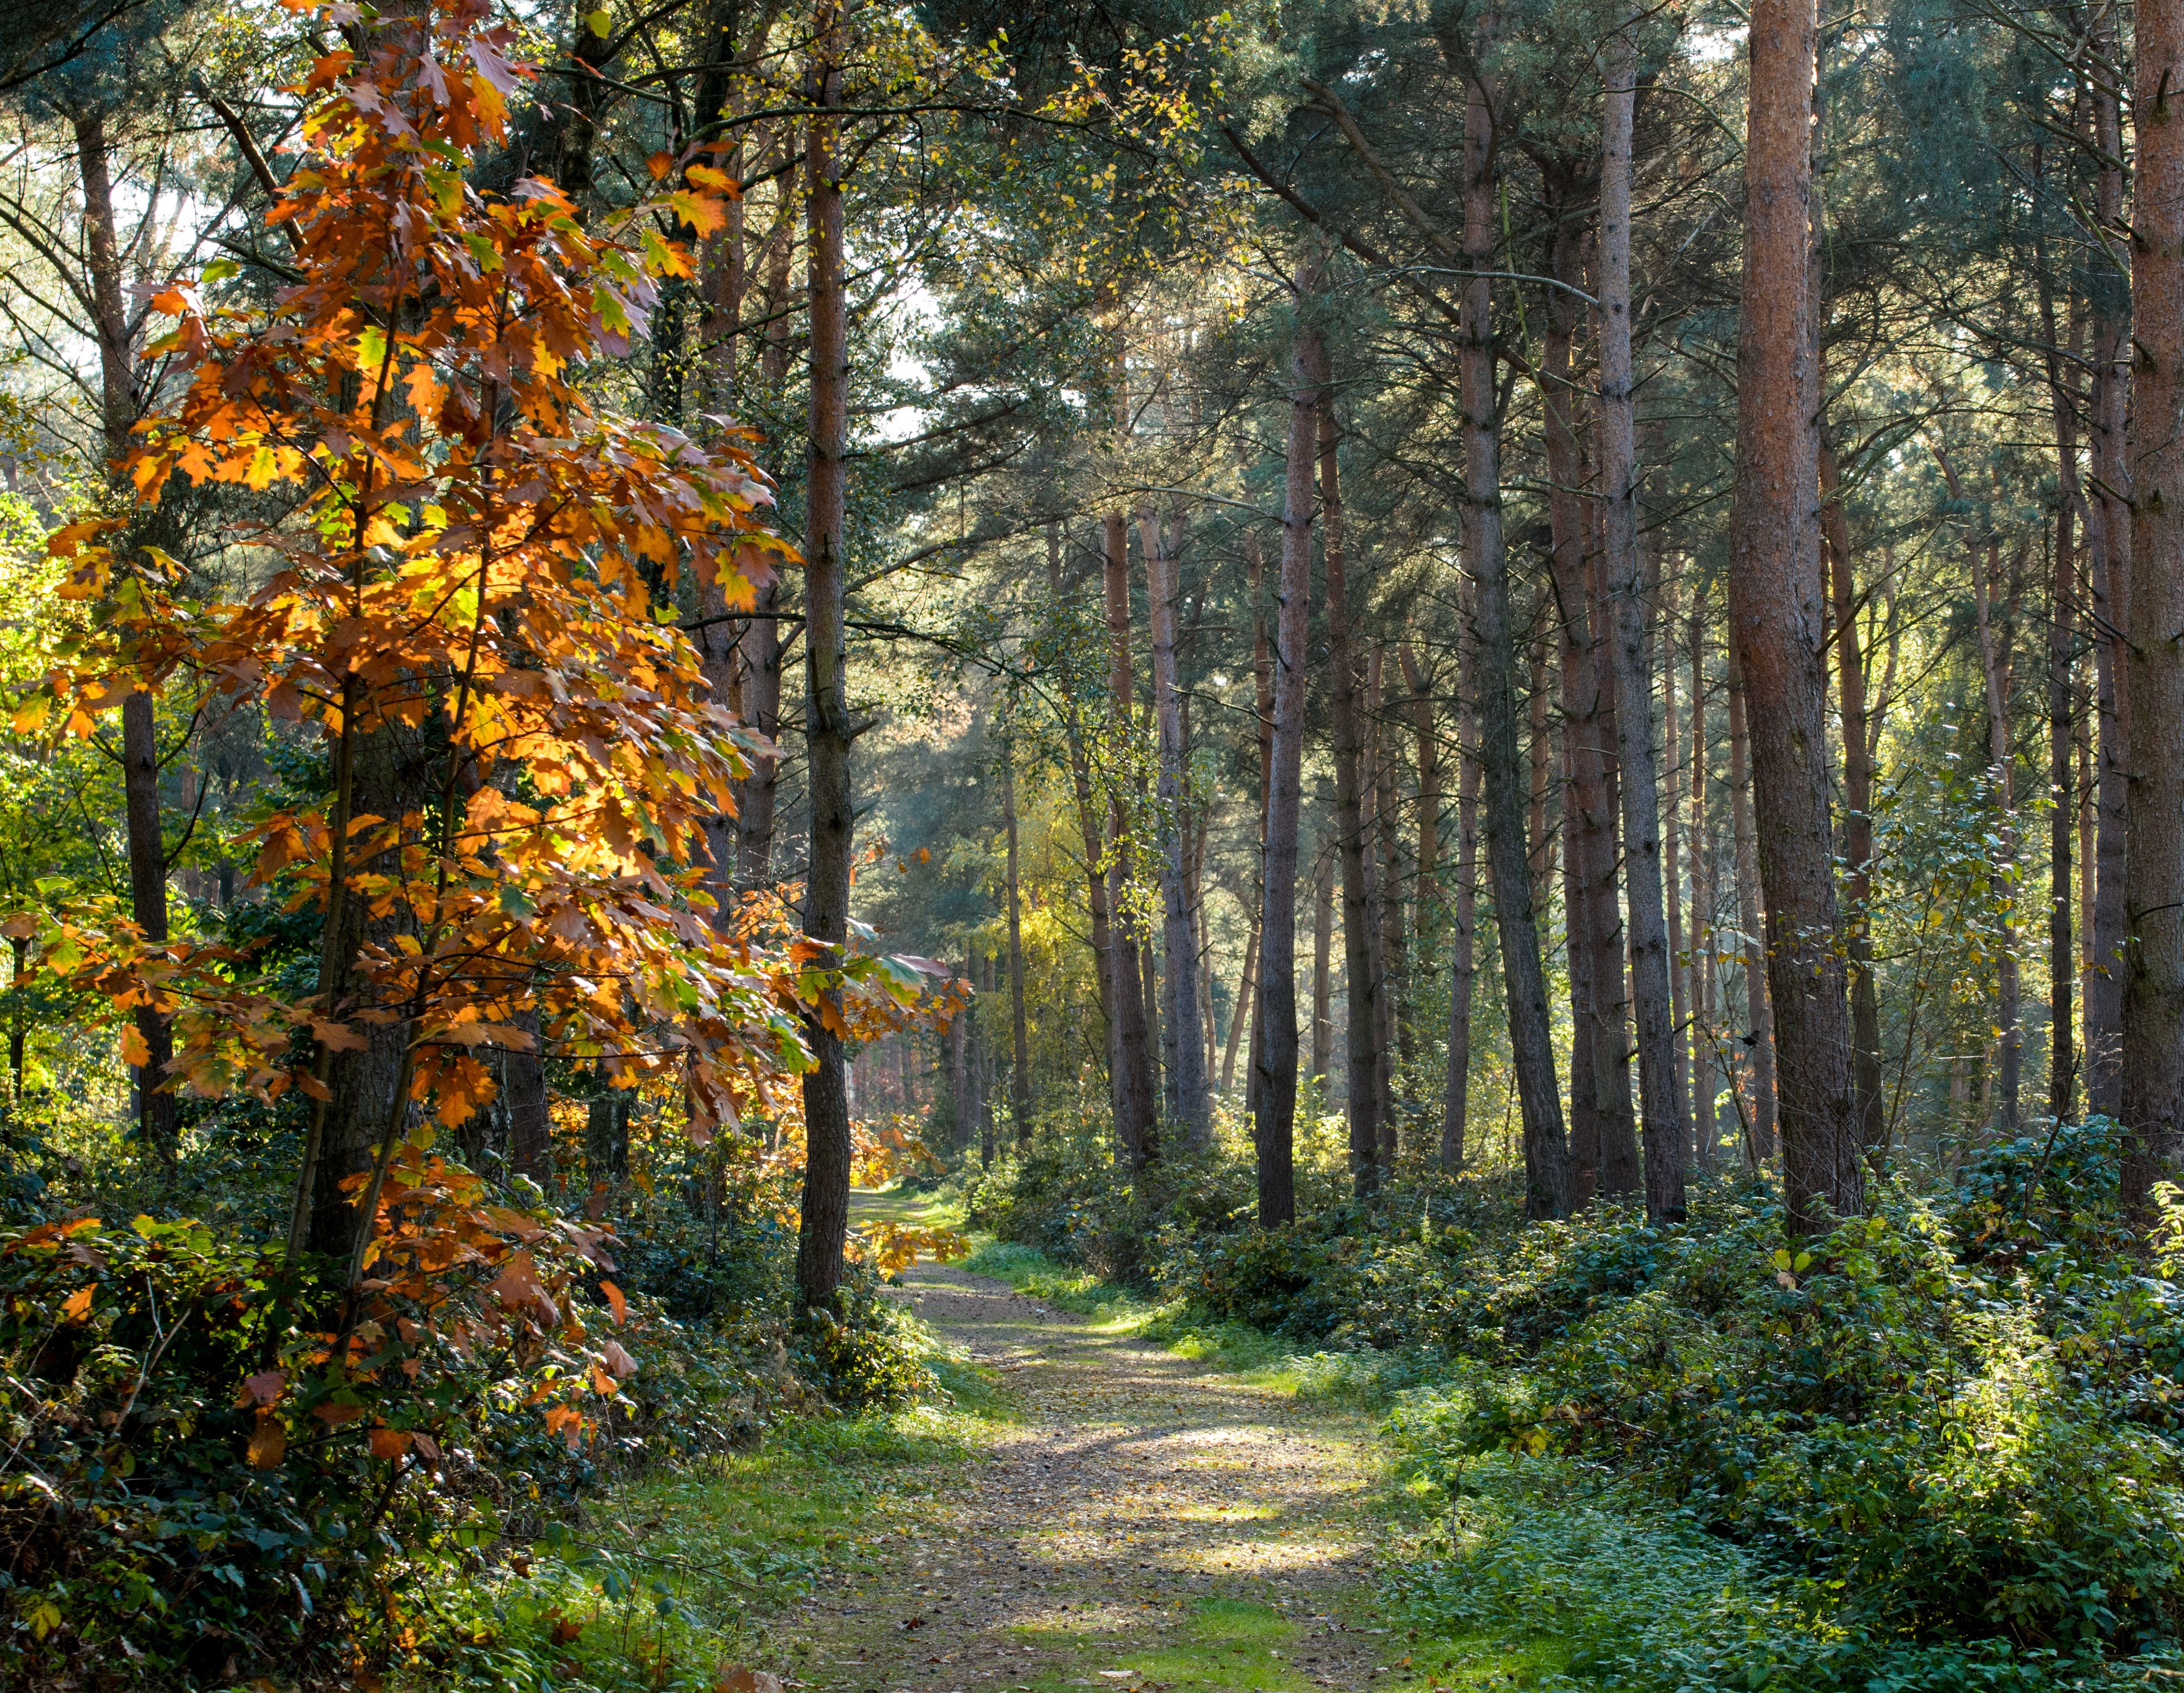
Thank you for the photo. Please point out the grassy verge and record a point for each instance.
(666, 1582)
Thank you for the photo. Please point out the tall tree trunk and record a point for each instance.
(1362, 965)
(140, 750)
(1650, 962)
(1020, 1070)
(1378, 807)
(1178, 933)
(1621, 1171)
(2153, 989)
(1263, 676)
(1080, 774)
(1322, 963)
(2062, 642)
(1858, 807)
(826, 731)
(1540, 853)
(1274, 1030)
(1588, 927)
(1780, 628)
(960, 1091)
(1396, 1048)
(1247, 988)
(1705, 1035)
(1209, 1030)
(1546, 1154)
(1758, 1040)
(1455, 1098)
(983, 1045)
(2111, 546)
(1138, 1124)
(1420, 687)
(1995, 664)
(1672, 858)
(760, 645)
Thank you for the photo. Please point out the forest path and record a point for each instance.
(1137, 1519)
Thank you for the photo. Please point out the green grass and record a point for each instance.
(930, 1208)
(665, 1580)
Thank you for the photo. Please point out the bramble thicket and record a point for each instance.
(1479, 707)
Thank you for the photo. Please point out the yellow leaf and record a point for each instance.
(269, 1443)
(77, 1305)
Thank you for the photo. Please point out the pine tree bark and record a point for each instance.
(1627, 658)
(1020, 1070)
(1323, 964)
(1546, 1154)
(1362, 965)
(1764, 1132)
(1858, 807)
(1705, 1033)
(1080, 774)
(2062, 714)
(1455, 1095)
(1588, 927)
(1247, 990)
(1995, 664)
(1274, 1030)
(1397, 1051)
(1779, 627)
(825, 1220)
(760, 645)
(2154, 985)
(1262, 677)
(1672, 858)
(1137, 1097)
(982, 1045)
(1179, 932)
(2110, 546)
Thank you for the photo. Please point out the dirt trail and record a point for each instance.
(1142, 1521)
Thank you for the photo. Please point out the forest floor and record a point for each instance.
(1092, 1511)
(1131, 1519)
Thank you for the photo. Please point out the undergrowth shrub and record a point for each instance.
(1939, 1444)
(212, 1466)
